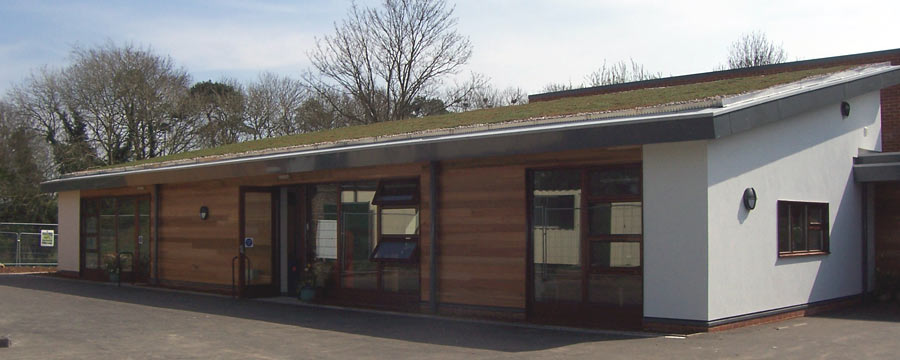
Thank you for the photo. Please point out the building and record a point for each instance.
(697, 202)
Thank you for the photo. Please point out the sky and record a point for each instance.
(524, 43)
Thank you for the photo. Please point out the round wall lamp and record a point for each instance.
(845, 109)
(749, 198)
(204, 213)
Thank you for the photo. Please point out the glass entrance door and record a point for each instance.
(115, 235)
(258, 265)
(586, 246)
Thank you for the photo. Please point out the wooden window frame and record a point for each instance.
(785, 228)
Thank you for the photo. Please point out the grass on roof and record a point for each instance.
(566, 106)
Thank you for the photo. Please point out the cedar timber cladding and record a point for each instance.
(192, 250)
(483, 214)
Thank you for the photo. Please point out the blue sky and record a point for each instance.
(516, 43)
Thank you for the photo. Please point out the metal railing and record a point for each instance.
(28, 244)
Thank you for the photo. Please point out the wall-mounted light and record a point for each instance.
(845, 109)
(749, 198)
(204, 213)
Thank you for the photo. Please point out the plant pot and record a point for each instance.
(307, 294)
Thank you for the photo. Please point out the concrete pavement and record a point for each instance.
(52, 318)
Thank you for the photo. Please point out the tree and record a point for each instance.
(477, 93)
(558, 86)
(126, 95)
(384, 58)
(273, 105)
(219, 107)
(113, 104)
(42, 100)
(754, 49)
(24, 164)
(620, 72)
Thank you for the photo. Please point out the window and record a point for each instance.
(402, 192)
(614, 219)
(404, 251)
(555, 211)
(802, 228)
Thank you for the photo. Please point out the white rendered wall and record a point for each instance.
(806, 158)
(69, 212)
(675, 238)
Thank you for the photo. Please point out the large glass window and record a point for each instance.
(606, 254)
(114, 227)
(802, 228)
(557, 232)
(358, 225)
(376, 225)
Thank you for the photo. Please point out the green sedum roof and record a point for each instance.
(567, 106)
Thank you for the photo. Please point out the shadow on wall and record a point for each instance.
(755, 155)
(405, 328)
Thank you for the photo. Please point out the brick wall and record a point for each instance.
(890, 97)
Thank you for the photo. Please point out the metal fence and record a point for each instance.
(28, 244)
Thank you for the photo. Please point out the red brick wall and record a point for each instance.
(890, 97)
(890, 118)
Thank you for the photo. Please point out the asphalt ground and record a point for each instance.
(51, 318)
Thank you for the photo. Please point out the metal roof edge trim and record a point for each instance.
(753, 113)
(591, 133)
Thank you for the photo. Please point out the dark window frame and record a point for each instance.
(785, 233)
(413, 257)
(382, 195)
(592, 199)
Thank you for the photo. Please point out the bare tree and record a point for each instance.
(558, 86)
(42, 99)
(478, 93)
(754, 49)
(384, 58)
(112, 104)
(620, 72)
(273, 106)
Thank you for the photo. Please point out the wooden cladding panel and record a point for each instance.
(482, 240)
(483, 223)
(194, 250)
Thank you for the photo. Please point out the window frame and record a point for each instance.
(413, 257)
(785, 229)
(378, 199)
(590, 199)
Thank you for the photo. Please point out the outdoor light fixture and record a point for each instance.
(845, 109)
(204, 213)
(750, 198)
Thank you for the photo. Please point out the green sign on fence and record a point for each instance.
(46, 238)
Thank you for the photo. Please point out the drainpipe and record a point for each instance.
(156, 234)
(432, 295)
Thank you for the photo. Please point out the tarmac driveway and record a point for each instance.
(52, 318)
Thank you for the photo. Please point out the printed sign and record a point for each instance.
(248, 242)
(46, 238)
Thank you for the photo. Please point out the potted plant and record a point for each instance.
(313, 279)
(112, 268)
(307, 284)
